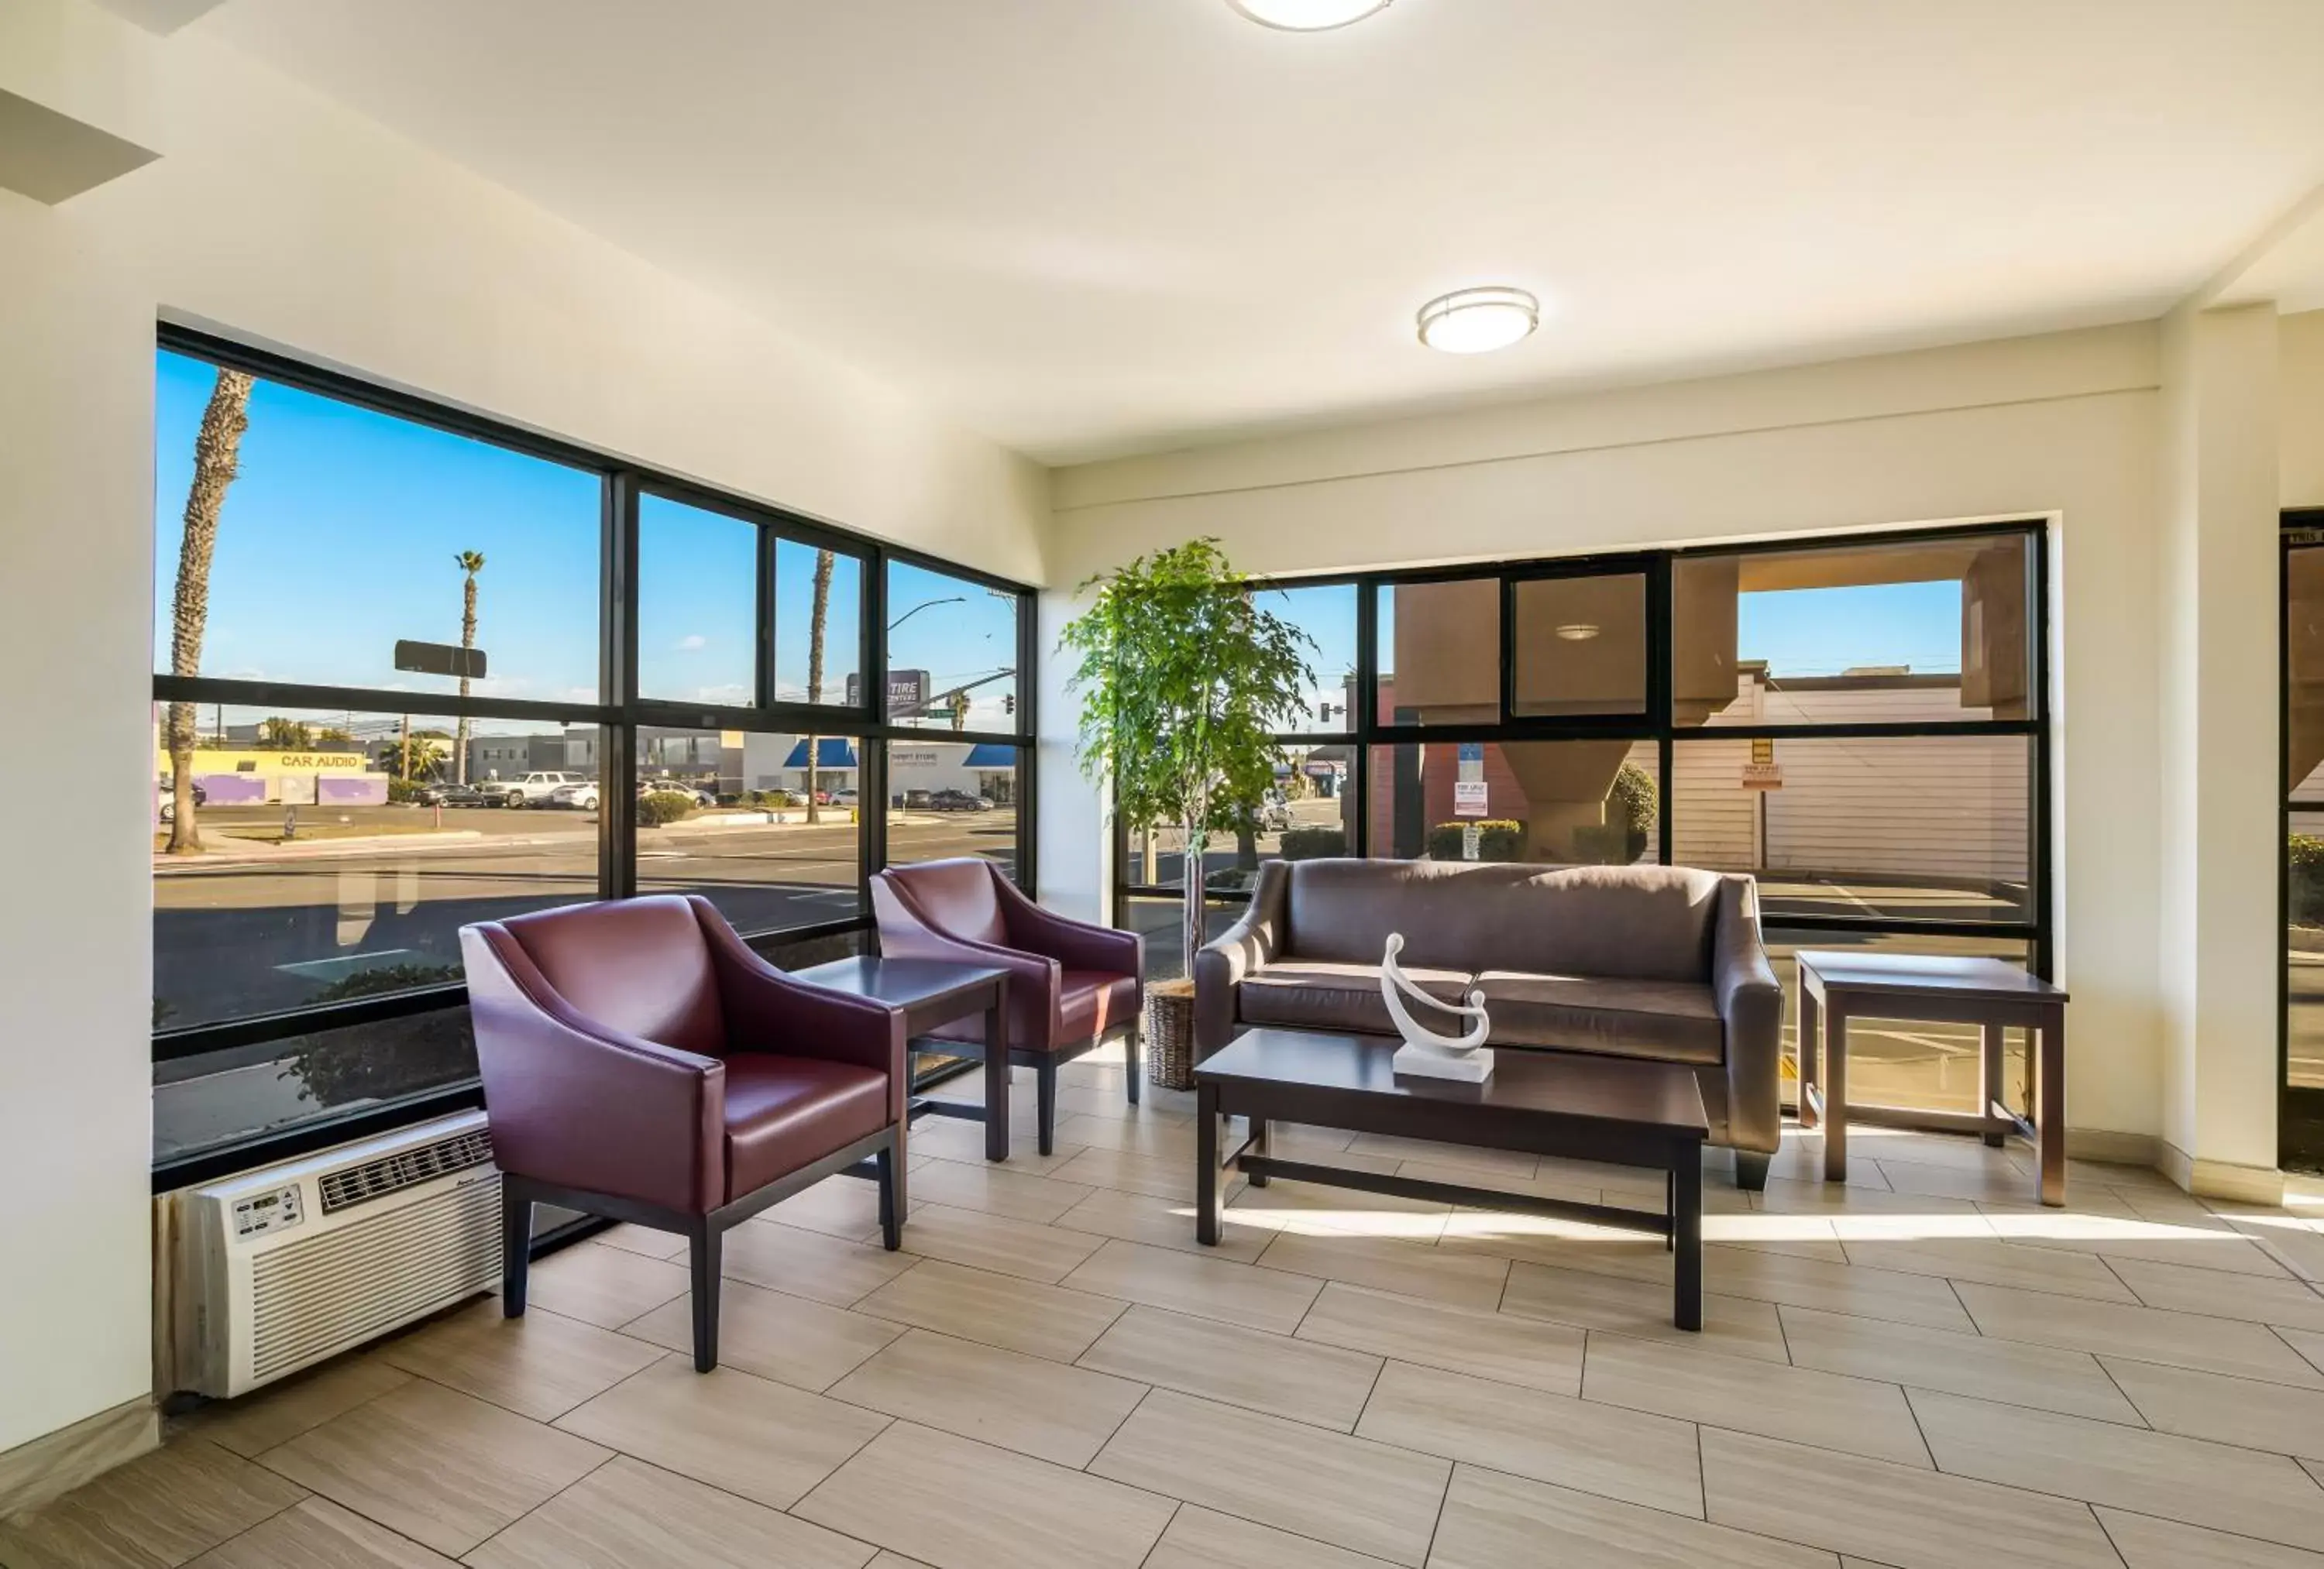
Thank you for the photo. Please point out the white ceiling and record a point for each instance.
(1089, 227)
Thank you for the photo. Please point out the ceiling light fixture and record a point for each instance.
(1577, 631)
(1307, 15)
(1476, 321)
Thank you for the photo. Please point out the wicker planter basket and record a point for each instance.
(1170, 1034)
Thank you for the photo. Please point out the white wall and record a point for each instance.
(2300, 409)
(276, 218)
(2062, 426)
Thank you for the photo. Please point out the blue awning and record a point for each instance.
(990, 755)
(830, 752)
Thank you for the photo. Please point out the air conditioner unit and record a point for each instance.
(266, 1272)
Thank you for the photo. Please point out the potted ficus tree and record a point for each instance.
(1183, 680)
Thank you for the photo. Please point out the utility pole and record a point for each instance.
(407, 749)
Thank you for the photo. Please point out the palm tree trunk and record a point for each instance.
(218, 451)
(467, 640)
(820, 615)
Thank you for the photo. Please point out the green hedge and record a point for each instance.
(2304, 860)
(663, 807)
(1497, 839)
(1307, 844)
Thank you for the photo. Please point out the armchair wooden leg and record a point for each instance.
(516, 1246)
(1129, 1057)
(705, 1250)
(1045, 1091)
(890, 1161)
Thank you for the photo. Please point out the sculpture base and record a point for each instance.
(1427, 1062)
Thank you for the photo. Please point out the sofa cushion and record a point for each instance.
(1627, 922)
(1319, 995)
(1668, 1021)
(783, 1113)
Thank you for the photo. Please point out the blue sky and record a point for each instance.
(338, 535)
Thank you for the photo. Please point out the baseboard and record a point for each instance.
(2115, 1149)
(2223, 1179)
(56, 1463)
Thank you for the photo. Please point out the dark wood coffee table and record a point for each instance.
(930, 991)
(1589, 1108)
(1837, 985)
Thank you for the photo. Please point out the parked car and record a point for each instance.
(842, 798)
(535, 788)
(679, 787)
(170, 797)
(574, 797)
(958, 801)
(444, 793)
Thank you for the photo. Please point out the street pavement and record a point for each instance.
(234, 937)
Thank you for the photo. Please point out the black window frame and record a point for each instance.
(1656, 724)
(618, 714)
(2300, 1109)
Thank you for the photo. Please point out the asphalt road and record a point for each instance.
(233, 938)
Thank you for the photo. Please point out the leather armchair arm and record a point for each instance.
(575, 1103)
(1251, 944)
(1075, 944)
(767, 1011)
(1751, 1006)
(1035, 981)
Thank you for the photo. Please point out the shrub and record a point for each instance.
(730, 799)
(661, 807)
(1497, 839)
(1633, 805)
(1307, 844)
(402, 790)
(387, 977)
(2304, 863)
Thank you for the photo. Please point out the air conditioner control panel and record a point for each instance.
(266, 1212)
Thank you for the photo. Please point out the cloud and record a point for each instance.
(688, 643)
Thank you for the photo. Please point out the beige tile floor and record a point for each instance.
(1919, 1369)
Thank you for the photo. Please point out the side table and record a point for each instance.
(930, 991)
(1937, 990)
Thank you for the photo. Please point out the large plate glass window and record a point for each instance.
(726, 814)
(948, 799)
(1578, 645)
(1573, 803)
(697, 608)
(1326, 613)
(343, 532)
(951, 652)
(1440, 652)
(339, 860)
(1920, 632)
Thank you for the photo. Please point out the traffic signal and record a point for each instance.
(1009, 703)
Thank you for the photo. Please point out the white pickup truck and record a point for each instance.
(533, 789)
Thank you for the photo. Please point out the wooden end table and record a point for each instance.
(930, 991)
(1625, 1111)
(1925, 988)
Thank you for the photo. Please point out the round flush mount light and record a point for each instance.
(1577, 631)
(1477, 321)
(1307, 15)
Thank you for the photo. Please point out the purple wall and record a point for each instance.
(351, 789)
(235, 789)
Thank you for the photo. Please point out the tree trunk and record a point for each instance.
(817, 618)
(217, 450)
(1191, 933)
(467, 640)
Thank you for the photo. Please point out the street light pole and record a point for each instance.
(926, 605)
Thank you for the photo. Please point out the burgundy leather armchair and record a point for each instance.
(1070, 986)
(640, 1062)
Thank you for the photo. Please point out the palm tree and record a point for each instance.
(819, 616)
(218, 451)
(470, 561)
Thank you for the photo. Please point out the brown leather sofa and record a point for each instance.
(1070, 986)
(640, 1062)
(1660, 963)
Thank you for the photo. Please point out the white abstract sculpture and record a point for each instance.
(1424, 1052)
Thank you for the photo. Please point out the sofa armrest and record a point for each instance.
(1751, 1007)
(580, 1105)
(768, 1011)
(1074, 944)
(1251, 944)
